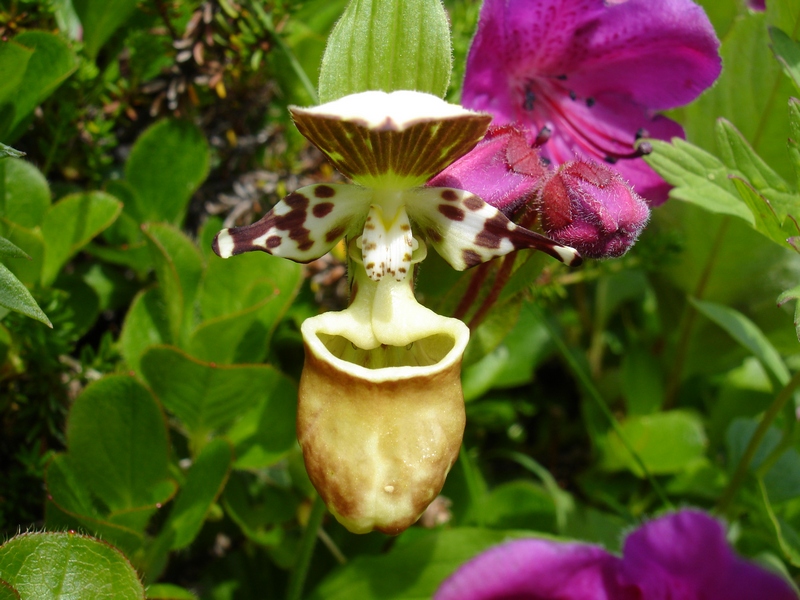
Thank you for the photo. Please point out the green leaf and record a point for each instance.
(793, 143)
(15, 296)
(747, 333)
(205, 397)
(9, 250)
(100, 18)
(412, 571)
(9, 152)
(167, 164)
(146, 324)
(387, 45)
(70, 224)
(204, 483)
(699, 177)
(257, 506)
(72, 506)
(266, 433)
(13, 61)
(792, 294)
(31, 242)
(787, 51)
(24, 193)
(7, 592)
(519, 505)
(167, 591)
(117, 444)
(666, 442)
(767, 220)
(179, 268)
(642, 381)
(739, 156)
(55, 566)
(50, 64)
(241, 302)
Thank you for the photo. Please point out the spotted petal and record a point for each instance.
(466, 231)
(303, 226)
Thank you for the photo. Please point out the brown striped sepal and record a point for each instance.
(394, 140)
(466, 231)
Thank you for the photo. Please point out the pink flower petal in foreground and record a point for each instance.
(592, 73)
(681, 556)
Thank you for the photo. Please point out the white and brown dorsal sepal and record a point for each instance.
(394, 140)
(304, 225)
(466, 231)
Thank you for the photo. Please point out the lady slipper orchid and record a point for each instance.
(380, 406)
(682, 556)
(587, 75)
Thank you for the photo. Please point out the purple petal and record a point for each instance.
(662, 54)
(685, 556)
(502, 170)
(540, 570)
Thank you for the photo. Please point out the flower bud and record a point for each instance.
(380, 409)
(502, 170)
(590, 207)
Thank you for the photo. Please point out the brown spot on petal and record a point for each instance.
(473, 203)
(405, 227)
(324, 191)
(296, 200)
(434, 235)
(471, 258)
(273, 241)
(322, 209)
(494, 230)
(303, 246)
(449, 195)
(334, 234)
(369, 266)
(451, 212)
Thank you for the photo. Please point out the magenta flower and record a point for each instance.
(682, 556)
(590, 207)
(502, 170)
(590, 74)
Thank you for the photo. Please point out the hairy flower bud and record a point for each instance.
(380, 411)
(590, 207)
(502, 169)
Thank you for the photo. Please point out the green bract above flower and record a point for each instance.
(389, 145)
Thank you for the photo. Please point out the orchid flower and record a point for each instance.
(380, 407)
(681, 556)
(584, 77)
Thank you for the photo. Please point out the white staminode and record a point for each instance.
(395, 110)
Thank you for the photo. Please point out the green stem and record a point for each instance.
(590, 388)
(744, 463)
(297, 579)
(689, 317)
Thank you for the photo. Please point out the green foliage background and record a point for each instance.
(158, 412)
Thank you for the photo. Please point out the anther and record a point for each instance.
(542, 137)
